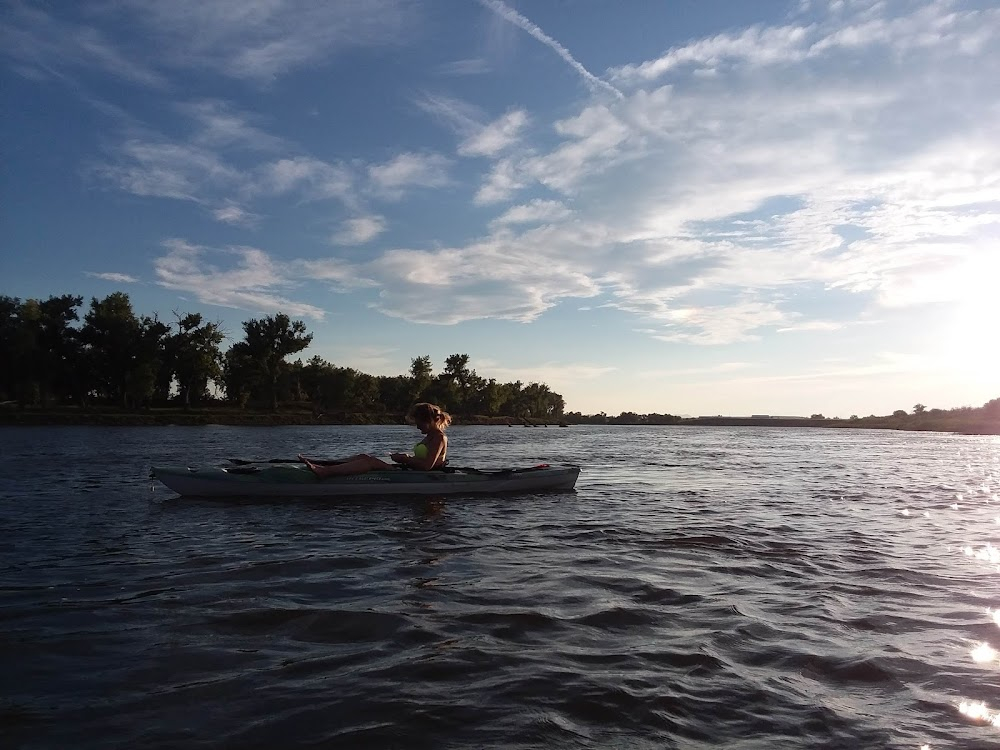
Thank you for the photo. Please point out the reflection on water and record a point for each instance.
(979, 712)
(983, 653)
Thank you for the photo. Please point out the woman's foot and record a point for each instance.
(309, 464)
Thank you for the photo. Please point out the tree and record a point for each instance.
(261, 355)
(899, 413)
(456, 367)
(9, 325)
(59, 344)
(124, 352)
(196, 357)
(919, 409)
(421, 373)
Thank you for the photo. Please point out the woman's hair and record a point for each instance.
(432, 414)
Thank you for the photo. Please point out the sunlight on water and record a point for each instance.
(983, 653)
(989, 553)
(978, 711)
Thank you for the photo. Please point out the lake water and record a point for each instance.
(702, 588)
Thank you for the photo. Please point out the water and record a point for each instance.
(702, 588)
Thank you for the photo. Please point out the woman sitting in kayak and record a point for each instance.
(430, 453)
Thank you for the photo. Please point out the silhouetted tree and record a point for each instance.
(196, 357)
(421, 374)
(260, 357)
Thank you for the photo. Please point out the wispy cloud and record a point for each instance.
(468, 67)
(256, 40)
(461, 116)
(236, 215)
(534, 212)
(118, 278)
(45, 46)
(551, 372)
(313, 178)
(253, 284)
(496, 136)
(512, 16)
(220, 125)
(168, 170)
(359, 230)
(409, 170)
(262, 39)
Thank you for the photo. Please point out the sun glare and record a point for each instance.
(970, 330)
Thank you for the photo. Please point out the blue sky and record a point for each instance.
(693, 207)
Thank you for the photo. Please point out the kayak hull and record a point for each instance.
(298, 481)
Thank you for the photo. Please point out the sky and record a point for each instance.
(691, 207)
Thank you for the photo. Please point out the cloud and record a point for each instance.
(220, 124)
(312, 178)
(168, 170)
(550, 373)
(531, 213)
(253, 284)
(468, 67)
(259, 40)
(359, 230)
(466, 120)
(856, 181)
(495, 137)
(512, 16)
(739, 182)
(505, 178)
(236, 215)
(929, 29)
(409, 170)
(707, 370)
(462, 117)
(757, 46)
(45, 46)
(118, 278)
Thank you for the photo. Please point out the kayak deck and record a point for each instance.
(299, 481)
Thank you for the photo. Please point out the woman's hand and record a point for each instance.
(399, 458)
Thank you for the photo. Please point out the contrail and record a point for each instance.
(509, 14)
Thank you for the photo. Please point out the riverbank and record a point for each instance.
(113, 417)
(969, 424)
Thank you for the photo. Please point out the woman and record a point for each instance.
(429, 454)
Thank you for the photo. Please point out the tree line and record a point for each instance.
(112, 356)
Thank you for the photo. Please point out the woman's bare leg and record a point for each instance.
(358, 465)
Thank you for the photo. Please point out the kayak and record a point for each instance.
(299, 481)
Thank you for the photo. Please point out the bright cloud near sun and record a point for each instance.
(779, 190)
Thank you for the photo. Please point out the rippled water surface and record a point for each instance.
(702, 588)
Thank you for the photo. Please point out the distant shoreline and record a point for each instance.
(111, 417)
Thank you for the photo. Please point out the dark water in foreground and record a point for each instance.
(702, 588)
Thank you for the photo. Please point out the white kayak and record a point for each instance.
(286, 480)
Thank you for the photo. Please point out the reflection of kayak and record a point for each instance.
(298, 481)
